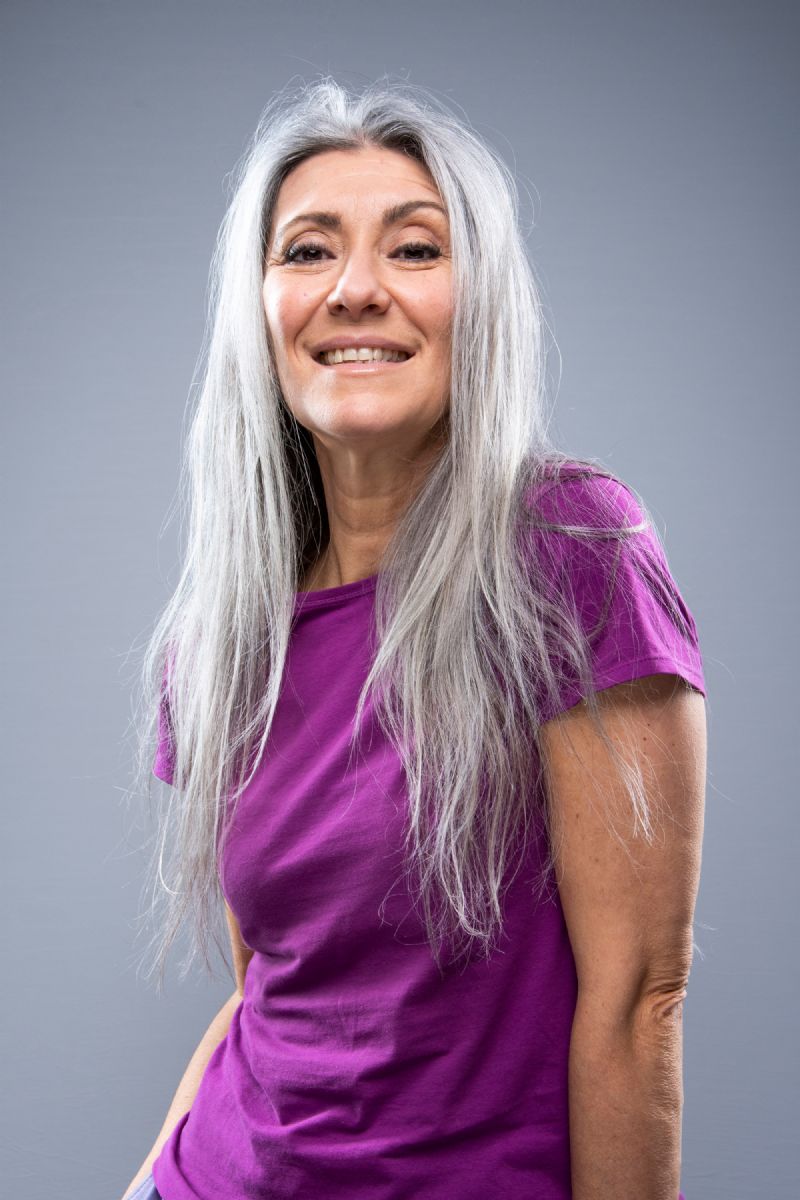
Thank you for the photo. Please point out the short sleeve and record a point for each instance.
(621, 590)
(164, 764)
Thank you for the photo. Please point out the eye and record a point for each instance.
(435, 252)
(294, 252)
(298, 250)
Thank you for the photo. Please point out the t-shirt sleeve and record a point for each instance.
(163, 766)
(621, 591)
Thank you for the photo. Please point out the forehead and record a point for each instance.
(365, 177)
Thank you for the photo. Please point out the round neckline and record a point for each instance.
(340, 591)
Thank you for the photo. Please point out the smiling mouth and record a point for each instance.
(360, 364)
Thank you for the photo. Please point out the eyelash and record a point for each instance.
(291, 254)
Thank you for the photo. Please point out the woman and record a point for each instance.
(431, 705)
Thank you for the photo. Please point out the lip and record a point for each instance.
(343, 342)
(360, 368)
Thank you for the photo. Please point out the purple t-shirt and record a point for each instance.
(351, 1068)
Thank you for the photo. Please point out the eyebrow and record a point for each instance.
(332, 220)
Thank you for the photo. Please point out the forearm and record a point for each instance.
(187, 1088)
(625, 1108)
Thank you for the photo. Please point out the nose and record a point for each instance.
(358, 286)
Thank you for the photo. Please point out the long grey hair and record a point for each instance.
(252, 492)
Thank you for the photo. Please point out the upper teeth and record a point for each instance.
(362, 354)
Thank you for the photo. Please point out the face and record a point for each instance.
(341, 266)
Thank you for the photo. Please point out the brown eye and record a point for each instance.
(417, 252)
(434, 251)
(294, 252)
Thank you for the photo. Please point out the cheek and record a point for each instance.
(283, 309)
(435, 315)
(442, 334)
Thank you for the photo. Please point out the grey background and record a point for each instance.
(656, 147)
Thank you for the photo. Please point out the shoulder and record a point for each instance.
(581, 494)
(579, 520)
(597, 562)
(593, 546)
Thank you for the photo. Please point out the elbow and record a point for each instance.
(658, 1019)
(650, 1014)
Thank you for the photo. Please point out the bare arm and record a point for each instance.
(630, 925)
(217, 1030)
(187, 1088)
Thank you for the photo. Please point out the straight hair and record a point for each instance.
(251, 494)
